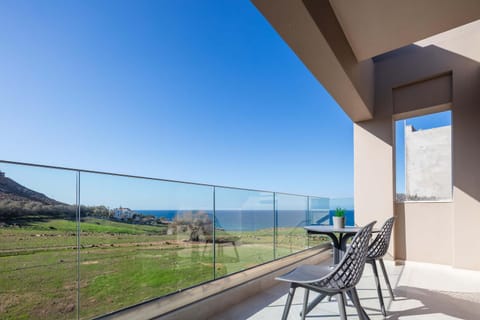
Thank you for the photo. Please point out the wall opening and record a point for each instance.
(423, 150)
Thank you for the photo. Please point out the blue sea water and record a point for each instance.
(251, 220)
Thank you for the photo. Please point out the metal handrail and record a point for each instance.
(149, 178)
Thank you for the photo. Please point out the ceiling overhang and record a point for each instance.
(319, 42)
(374, 27)
(336, 39)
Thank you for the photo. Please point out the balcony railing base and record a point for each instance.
(206, 300)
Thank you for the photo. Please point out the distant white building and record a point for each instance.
(123, 213)
(428, 162)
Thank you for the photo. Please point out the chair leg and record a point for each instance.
(356, 302)
(314, 303)
(379, 289)
(385, 275)
(305, 303)
(341, 306)
(291, 293)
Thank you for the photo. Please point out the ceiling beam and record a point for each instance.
(321, 45)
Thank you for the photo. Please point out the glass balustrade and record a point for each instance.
(38, 243)
(140, 239)
(318, 213)
(292, 215)
(244, 223)
(76, 244)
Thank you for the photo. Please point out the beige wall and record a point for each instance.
(372, 169)
(426, 73)
(424, 232)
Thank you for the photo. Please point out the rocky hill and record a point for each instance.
(11, 190)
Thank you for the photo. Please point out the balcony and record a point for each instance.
(216, 259)
(79, 244)
(423, 291)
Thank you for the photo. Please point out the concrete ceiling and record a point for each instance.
(373, 27)
(464, 41)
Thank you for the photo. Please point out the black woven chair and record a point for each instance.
(376, 251)
(339, 281)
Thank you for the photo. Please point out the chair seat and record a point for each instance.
(306, 274)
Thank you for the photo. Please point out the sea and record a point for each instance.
(252, 220)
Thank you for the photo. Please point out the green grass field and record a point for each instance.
(120, 264)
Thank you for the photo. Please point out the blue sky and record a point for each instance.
(202, 91)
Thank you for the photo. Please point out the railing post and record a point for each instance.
(214, 237)
(77, 196)
(275, 226)
(309, 216)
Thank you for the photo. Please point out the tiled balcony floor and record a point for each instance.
(423, 291)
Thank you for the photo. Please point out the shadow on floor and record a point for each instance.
(435, 302)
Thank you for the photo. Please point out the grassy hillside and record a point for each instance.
(120, 264)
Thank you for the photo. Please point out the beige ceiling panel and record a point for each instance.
(373, 27)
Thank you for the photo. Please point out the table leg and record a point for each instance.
(336, 246)
(343, 242)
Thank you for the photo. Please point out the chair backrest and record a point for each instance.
(348, 271)
(378, 248)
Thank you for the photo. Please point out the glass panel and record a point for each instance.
(244, 224)
(319, 213)
(141, 239)
(400, 159)
(423, 151)
(319, 210)
(292, 216)
(38, 243)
